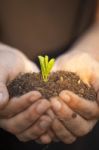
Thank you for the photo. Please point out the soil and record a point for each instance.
(57, 82)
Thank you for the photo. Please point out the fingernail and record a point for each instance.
(36, 93)
(64, 96)
(34, 97)
(44, 124)
(42, 106)
(56, 105)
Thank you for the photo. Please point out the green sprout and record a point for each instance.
(46, 66)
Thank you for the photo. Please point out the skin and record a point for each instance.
(68, 106)
(22, 116)
(79, 115)
(75, 116)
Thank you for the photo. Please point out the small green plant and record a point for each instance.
(46, 66)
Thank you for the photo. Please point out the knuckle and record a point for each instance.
(29, 116)
(56, 125)
(36, 132)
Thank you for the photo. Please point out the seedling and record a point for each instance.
(46, 66)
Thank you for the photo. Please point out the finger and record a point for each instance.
(49, 133)
(72, 121)
(4, 96)
(18, 104)
(95, 81)
(36, 130)
(86, 108)
(50, 113)
(52, 135)
(26, 118)
(62, 133)
(45, 139)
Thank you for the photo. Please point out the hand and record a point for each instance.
(87, 112)
(14, 113)
(12, 62)
(87, 68)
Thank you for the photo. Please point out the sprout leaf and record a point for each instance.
(46, 66)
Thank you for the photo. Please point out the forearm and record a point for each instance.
(87, 45)
(89, 42)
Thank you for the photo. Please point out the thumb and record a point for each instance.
(4, 96)
(31, 67)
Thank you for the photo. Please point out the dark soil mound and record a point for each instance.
(57, 82)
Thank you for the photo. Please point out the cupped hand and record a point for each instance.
(77, 115)
(21, 116)
(12, 62)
